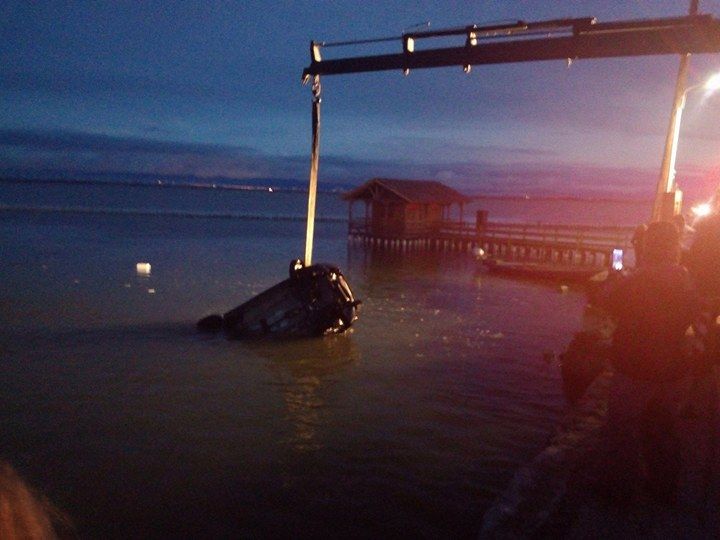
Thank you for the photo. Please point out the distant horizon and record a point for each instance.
(280, 184)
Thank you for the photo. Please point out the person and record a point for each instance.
(652, 308)
(638, 243)
(703, 262)
(703, 257)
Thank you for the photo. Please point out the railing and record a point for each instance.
(570, 235)
(564, 235)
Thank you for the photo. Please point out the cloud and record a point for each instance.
(70, 141)
(538, 177)
(446, 147)
(88, 152)
(489, 172)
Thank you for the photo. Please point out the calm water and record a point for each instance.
(116, 409)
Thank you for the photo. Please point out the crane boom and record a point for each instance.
(517, 42)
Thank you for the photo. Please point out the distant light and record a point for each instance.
(617, 259)
(479, 253)
(713, 83)
(409, 45)
(315, 49)
(270, 189)
(142, 269)
(702, 210)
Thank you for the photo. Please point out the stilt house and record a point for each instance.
(403, 208)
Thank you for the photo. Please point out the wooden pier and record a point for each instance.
(415, 215)
(576, 245)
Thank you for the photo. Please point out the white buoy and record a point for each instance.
(143, 268)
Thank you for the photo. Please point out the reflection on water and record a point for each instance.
(303, 370)
(381, 266)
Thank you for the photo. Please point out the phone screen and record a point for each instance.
(617, 259)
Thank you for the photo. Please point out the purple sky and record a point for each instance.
(212, 89)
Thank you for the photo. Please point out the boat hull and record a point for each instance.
(545, 272)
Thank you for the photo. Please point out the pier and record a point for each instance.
(581, 245)
(414, 215)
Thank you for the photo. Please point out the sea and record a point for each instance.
(135, 425)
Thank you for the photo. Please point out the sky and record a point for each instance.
(212, 89)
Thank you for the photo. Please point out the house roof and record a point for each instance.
(411, 191)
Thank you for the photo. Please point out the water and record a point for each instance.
(135, 425)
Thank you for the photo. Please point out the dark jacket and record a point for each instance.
(653, 308)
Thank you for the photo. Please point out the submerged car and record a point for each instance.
(314, 301)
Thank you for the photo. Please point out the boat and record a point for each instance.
(543, 271)
(313, 301)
